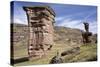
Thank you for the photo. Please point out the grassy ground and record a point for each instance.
(46, 59)
(86, 53)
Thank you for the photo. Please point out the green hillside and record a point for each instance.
(65, 39)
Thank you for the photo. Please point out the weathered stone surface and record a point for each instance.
(73, 50)
(56, 59)
(40, 22)
(86, 35)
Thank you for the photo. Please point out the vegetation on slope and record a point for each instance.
(87, 53)
(62, 34)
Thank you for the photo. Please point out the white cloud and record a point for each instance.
(20, 21)
(72, 15)
(59, 18)
(93, 27)
(68, 22)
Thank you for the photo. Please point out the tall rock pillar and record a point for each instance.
(86, 34)
(40, 23)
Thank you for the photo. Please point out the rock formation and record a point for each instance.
(40, 23)
(56, 59)
(86, 34)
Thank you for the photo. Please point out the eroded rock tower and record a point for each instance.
(40, 23)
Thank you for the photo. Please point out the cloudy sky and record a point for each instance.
(67, 15)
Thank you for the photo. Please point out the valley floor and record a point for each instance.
(86, 53)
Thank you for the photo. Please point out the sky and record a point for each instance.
(67, 15)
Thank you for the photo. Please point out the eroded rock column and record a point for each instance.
(86, 34)
(40, 23)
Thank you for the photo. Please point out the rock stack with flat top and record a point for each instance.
(40, 24)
